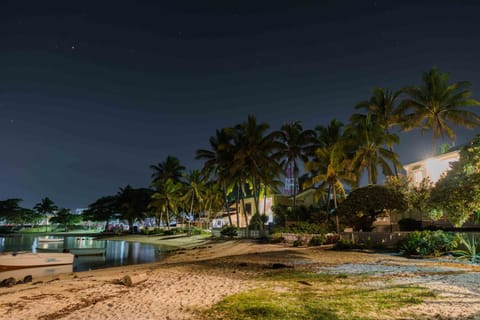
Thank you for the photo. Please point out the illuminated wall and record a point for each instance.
(432, 167)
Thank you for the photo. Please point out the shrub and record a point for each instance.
(298, 243)
(275, 238)
(170, 232)
(229, 231)
(305, 227)
(470, 250)
(331, 238)
(343, 244)
(427, 243)
(317, 240)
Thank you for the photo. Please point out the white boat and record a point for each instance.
(12, 261)
(87, 251)
(45, 239)
(75, 251)
(40, 272)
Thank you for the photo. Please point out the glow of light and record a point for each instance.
(436, 167)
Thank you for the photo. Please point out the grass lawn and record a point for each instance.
(301, 295)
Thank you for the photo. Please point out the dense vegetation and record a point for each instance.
(249, 160)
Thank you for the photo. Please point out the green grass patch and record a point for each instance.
(301, 295)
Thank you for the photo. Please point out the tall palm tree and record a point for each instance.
(218, 161)
(384, 106)
(44, 207)
(256, 154)
(168, 197)
(330, 165)
(170, 168)
(294, 146)
(367, 138)
(437, 105)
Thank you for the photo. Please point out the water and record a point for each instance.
(118, 253)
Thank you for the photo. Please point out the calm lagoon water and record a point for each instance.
(118, 253)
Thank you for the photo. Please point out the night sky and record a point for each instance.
(94, 92)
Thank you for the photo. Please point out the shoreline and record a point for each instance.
(190, 281)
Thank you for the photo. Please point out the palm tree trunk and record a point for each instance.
(369, 172)
(294, 190)
(237, 199)
(335, 204)
(328, 201)
(227, 206)
(245, 214)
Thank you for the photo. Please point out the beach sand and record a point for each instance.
(194, 279)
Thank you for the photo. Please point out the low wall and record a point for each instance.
(242, 233)
(383, 239)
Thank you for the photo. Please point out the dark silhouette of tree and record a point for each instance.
(438, 105)
(46, 206)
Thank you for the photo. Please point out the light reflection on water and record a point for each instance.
(118, 253)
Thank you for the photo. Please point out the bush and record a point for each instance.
(409, 224)
(229, 231)
(343, 244)
(304, 227)
(275, 238)
(331, 238)
(298, 242)
(427, 243)
(170, 232)
(317, 240)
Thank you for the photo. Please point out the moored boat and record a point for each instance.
(45, 239)
(87, 251)
(12, 261)
(75, 251)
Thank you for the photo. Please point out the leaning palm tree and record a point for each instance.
(367, 139)
(194, 190)
(437, 105)
(44, 207)
(295, 143)
(218, 161)
(384, 106)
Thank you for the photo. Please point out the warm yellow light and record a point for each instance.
(436, 167)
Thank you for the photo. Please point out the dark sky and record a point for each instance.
(93, 92)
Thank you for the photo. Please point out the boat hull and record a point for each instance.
(12, 261)
(76, 251)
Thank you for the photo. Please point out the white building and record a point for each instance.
(432, 168)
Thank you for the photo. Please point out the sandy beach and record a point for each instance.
(195, 278)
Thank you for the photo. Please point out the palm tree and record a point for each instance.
(218, 161)
(44, 207)
(367, 138)
(65, 216)
(384, 107)
(437, 105)
(170, 168)
(256, 154)
(167, 197)
(330, 165)
(194, 189)
(294, 146)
